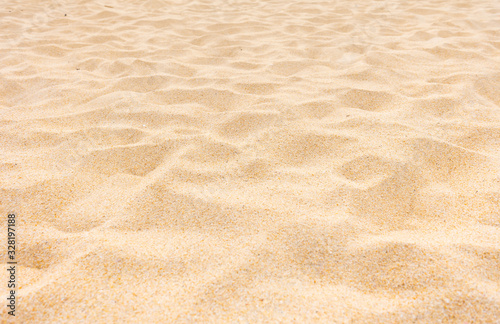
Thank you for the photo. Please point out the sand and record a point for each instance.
(251, 161)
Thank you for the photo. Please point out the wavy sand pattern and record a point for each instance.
(252, 161)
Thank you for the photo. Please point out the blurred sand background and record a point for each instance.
(252, 161)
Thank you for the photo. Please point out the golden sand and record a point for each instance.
(251, 161)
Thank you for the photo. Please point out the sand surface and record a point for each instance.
(251, 161)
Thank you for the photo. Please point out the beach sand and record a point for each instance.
(251, 161)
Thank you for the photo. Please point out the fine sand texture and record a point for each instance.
(232, 161)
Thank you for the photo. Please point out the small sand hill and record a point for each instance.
(252, 161)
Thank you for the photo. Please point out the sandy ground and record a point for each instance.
(251, 161)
